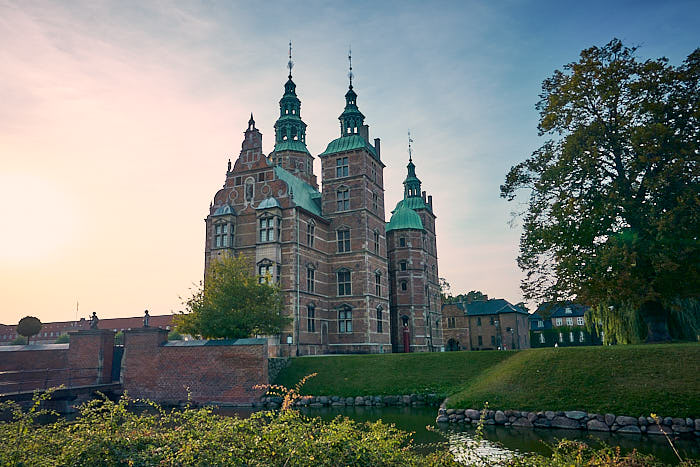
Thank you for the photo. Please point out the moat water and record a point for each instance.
(500, 441)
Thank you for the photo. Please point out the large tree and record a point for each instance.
(234, 303)
(29, 326)
(613, 214)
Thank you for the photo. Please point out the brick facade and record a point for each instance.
(328, 250)
(485, 325)
(209, 371)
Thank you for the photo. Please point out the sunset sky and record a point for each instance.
(117, 120)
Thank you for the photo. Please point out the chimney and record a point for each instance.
(423, 196)
(376, 146)
(364, 132)
(430, 201)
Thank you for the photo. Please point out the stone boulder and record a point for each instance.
(473, 414)
(522, 422)
(564, 422)
(597, 425)
(609, 419)
(499, 417)
(624, 420)
(658, 430)
(575, 414)
(549, 414)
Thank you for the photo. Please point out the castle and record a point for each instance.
(350, 282)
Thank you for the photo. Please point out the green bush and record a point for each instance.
(19, 340)
(174, 336)
(62, 339)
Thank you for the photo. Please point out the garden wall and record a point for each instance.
(219, 372)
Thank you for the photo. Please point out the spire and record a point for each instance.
(290, 130)
(412, 183)
(351, 120)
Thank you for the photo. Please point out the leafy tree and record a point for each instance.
(471, 296)
(445, 293)
(28, 326)
(174, 336)
(119, 338)
(62, 339)
(613, 212)
(233, 303)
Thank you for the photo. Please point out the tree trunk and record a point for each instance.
(656, 319)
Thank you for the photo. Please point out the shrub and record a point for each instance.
(19, 340)
(62, 339)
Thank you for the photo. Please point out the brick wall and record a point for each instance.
(212, 371)
(87, 360)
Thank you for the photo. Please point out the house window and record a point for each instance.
(558, 321)
(310, 233)
(403, 265)
(540, 323)
(579, 320)
(541, 338)
(341, 167)
(478, 321)
(481, 341)
(376, 243)
(404, 285)
(378, 284)
(402, 241)
(311, 318)
(265, 273)
(343, 197)
(345, 320)
(571, 336)
(569, 321)
(267, 229)
(310, 279)
(567, 310)
(581, 337)
(344, 285)
(375, 202)
(380, 324)
(221, 235)
(491, 321)
(343, 241)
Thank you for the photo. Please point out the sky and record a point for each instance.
(117, 120)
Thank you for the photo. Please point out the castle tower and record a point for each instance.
(290, 150)
(412, 258)
(353, 201)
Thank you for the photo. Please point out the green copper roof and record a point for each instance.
(413, 203)
(304, 195)
(291, 145)
(225, 210)
(349, 143)
(404, 218)
(268, 203)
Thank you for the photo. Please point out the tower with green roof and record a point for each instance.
(412, 259)
(290, 150)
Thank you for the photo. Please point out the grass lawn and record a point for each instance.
(389, 374)
(630, 380)
(625, 379)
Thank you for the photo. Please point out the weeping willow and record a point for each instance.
(622, 323)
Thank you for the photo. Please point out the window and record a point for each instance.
(310, 279)
(311, 318)
(540, 323)
(267, 229)
(541, 338)
(265, 273)
(310, 234)
(341, 167)
(561, 337)
(581, 337)
(451, 322)
(491, 321)
(567, 310)
(404, 285)
(344, 285)
(403, 265)
(376, 243)
(493, 340)
(343, 241)
(569, 321)
(343, 197)
(558, 321)
(481, 341)
(579, 320)
(221, 235)
(375, 202)
(378, 284)
(571, 336)
(261, 177)
(345, 320)
(402, 241)
(478, 321)
(380, 324)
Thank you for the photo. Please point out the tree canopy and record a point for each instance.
(233, 303)
(613, 213)
(28, 326)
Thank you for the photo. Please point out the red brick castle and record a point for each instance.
(351, 282)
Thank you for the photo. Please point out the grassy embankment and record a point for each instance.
(629, 380)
